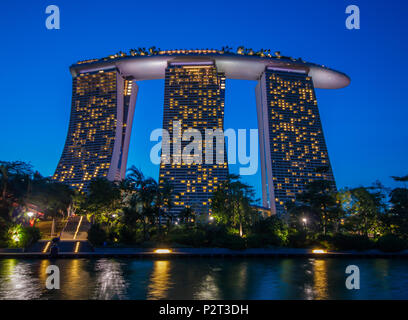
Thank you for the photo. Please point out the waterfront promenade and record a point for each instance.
(198, 252)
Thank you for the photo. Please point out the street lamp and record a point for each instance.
(304, 222)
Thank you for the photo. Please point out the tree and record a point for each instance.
(15, 178)
(11, 173)
(318, 204)
(103, 200)
(164, 201)
(364, 207)
(53, 198)
(275, 228)
(232, 203)
(399, 211)
(147, 201)
(187, 214)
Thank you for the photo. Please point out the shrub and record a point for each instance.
(229, 241)
(215, 232)
(297, 239)
(391, 243)
(276, 228)
(129, 235)
(352, 242)
(324, 241)
(260, 240)
(32, 235)
(190, 237)
(22, 237)
(97, 235)
(3, 233)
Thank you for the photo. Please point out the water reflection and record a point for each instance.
(208, 289)
(291, 278)
(110, 283)
(159, 281)
(320, 283)
(17, 280)
(42, 272)
(75, 279)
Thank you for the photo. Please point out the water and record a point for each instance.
(204, 278)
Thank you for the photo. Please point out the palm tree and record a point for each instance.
(148, 200)
(135, 176)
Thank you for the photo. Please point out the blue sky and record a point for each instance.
(365, 124)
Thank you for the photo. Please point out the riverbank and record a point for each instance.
(203, 252)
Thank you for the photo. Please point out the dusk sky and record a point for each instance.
(365, 124)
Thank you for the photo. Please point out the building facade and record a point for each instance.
(193, 105)
(97, 142)
(292, 146)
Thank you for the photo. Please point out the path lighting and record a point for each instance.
(319, 251)
(162, 251)
(15, 233)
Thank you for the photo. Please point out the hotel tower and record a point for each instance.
(97, 143)
(193, 99)
(292, 145)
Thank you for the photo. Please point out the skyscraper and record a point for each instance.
(292, 146)
(193, 99)
(97, 143)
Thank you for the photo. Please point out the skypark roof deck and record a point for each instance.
(235, 66)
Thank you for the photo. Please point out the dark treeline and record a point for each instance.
(136, 212)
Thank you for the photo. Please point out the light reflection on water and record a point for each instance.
(160, 281)
(17, 280)
(320, 284)
(201, 278)
(110, 283)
